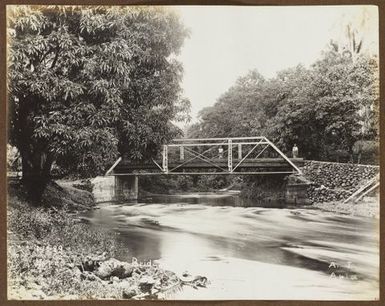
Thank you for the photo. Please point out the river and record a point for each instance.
(248, 252)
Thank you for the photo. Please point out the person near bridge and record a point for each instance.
(295, 151)
(220, 152)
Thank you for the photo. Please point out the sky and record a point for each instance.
(228, 41)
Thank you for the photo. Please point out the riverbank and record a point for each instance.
(332, 183)
(367, 207)
(53, 255)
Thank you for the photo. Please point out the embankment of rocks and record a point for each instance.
(335, 181)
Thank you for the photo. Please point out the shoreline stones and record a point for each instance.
(113, 268)
(134, 280)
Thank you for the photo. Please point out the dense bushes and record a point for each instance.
(185, 183)
(44, 247)
(366, 151)
(165, 184)
(264, 190)
(58, 228)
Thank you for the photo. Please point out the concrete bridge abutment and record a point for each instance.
(296, 190)
(126, 187)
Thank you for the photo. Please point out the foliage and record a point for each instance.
(45, 245)
(185, 183)
(164, 185)
(51, 269)
(86, 185)
(56, 227)
(324, 109)
(366, 151)
(265, 190)
(13, 161)
(88, 83)
(236, 111)
(215, 182)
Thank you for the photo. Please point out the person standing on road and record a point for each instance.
(220, 152)
(295, 151)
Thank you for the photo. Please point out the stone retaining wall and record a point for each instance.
(335, 181)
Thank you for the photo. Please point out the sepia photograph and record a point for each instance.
(192, 152)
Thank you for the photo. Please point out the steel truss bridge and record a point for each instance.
(235, 155)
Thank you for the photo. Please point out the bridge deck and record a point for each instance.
(248, 165)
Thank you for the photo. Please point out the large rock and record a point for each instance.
(114, 267)
(146, 283)
(129, 293)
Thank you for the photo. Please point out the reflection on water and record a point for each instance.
(222, 198)
(309, 253)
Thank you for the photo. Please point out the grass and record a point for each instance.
(45, 246)
(56, 227)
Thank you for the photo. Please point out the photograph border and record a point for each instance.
(3, 138)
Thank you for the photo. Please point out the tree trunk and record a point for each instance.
(36, 163)
(36, 174)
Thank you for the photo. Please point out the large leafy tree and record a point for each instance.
(237, 112)
(324, 109)
(88, 83)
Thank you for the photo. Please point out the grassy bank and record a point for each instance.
(46, 245)
(52, 255)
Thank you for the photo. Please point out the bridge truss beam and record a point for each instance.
(214, 154)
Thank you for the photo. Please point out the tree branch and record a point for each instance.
(45, 55)
(56, 57)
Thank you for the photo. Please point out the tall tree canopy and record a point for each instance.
(324, 109)
(237, 111)
(87, 83)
